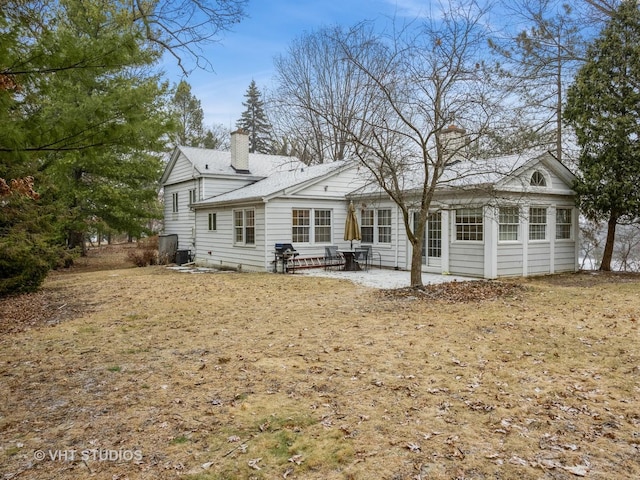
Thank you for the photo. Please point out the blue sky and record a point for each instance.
(247, 52)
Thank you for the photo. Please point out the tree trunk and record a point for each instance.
(416, 263)
(605, 265)
(76, 239)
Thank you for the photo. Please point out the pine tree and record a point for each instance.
(603, 106)
(254, 121)
(189, 116)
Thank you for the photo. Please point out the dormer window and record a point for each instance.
(538, 180)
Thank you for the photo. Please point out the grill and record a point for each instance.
(284, 252)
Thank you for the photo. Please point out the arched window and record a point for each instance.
(538, 180)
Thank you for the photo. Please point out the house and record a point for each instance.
(506, 216)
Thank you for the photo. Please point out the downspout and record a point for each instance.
(266, 237)
(397, 248)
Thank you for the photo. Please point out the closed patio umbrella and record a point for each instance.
(351, 228)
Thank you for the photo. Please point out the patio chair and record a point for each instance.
(332, 258)
(363, 256)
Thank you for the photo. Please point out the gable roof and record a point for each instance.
(278, 183)
(496, 172)
(218, 162)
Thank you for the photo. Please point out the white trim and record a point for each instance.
(490, 242)
(551, 230)
(446, 239)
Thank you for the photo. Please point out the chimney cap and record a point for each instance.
(454, 128)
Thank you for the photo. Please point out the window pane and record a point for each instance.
(563, 223)
(538, 180)
(250, 227)
(509, 223)
(175, 203)
(322, 224)
(469, 224)
(537, 223)
(238, 224)
(384, 226)
(300, 225)
(366, 227)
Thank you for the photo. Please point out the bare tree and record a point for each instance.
(540, 59)
(313, 75)
(182, 27)
(413, 83)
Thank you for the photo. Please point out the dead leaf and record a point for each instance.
(254, 463)
(297, 459)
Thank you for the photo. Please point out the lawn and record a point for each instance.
(147, 373)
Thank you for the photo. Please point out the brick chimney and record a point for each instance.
(240, 151)
(454, 142)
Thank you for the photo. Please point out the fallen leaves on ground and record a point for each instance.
(458, 292)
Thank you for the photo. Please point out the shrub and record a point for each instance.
(146, 253)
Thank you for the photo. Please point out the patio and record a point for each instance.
(382, 278)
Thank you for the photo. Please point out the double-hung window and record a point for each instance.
(367, 226)
(375, 226)
(244, 227)
(311, 225)
(384, 225)
(509, 224)
(537, 223)
(469, 224)
(563, 223)
(193, 196)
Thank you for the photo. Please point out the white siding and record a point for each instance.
(466, 259)
(539, 259)
(565, 260)
(182, 170)
(510, 260)
(216, 248)
(182, 222)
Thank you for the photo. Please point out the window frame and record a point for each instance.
(534, 226)
(244, 227)
(506, 220)
(376, 226)
(193, 196)
(473, 229)
(538, 179)
(568, 224)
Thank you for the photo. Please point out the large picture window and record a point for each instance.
(564, 224)
(537, 223)
(375, 226)
(309, 224)
(244, 225)
(509, 224)
(469, 224)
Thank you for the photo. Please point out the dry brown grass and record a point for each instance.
(227, 375)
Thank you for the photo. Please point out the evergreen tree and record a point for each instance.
(603, 106)
(189, 116)
(84, 115)
(254, 121)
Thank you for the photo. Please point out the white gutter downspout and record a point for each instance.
(266, 237)
(397, 248)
